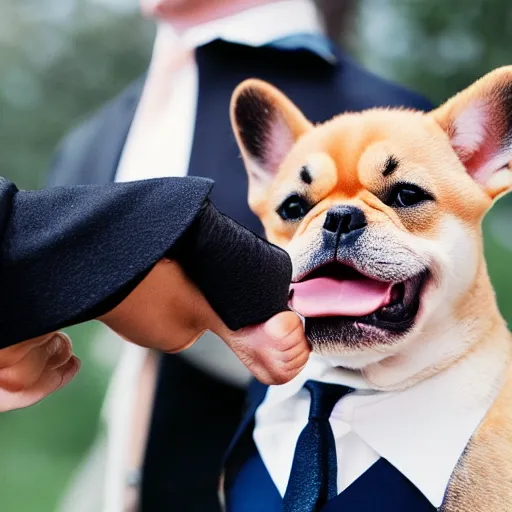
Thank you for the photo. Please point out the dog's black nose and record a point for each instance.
(344, 219)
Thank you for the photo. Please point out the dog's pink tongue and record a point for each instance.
(325, 296)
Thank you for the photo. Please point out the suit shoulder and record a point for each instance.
(367, 87)
(79, 141)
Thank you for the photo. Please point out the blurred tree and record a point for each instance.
(438, 47)
(58, 62)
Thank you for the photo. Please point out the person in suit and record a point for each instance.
(175, 120)
(145, 258)
(34, 369)
(259, 477)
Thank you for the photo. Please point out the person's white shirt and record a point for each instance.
(421, 431)
(168, 154)
(253, 27)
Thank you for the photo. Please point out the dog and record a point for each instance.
(381, 212)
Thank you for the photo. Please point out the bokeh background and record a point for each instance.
(61, 59)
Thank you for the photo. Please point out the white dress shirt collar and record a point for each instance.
(253, 27)
(421, 431)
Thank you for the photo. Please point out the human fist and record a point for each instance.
(167, 312)
(33, 369)
(274, 351)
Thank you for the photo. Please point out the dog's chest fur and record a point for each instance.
(482, 480)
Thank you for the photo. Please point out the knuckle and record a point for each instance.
(294, 338)
(13, 380)
(281, 377)
(282, 374)
(293, 331)
(54, 345)
(11, 355)
(287, 358)
(63, 353)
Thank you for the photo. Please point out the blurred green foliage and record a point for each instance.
(438, 47)
(41, 446)
(60, 60)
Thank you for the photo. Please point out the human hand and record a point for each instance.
(166, 311)
(33, 369)
(274, 351)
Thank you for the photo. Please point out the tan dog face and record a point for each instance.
(380, 212)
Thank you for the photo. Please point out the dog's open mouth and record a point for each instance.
(336, 290)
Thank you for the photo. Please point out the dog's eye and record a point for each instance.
(405, 195)
(293, 208)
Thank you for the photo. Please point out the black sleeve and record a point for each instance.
(69, 254)
(244, 278)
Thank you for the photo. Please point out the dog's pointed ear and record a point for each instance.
(266, 125)
(478, 122)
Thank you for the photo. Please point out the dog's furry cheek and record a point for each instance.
(302, 252)
(454, 263)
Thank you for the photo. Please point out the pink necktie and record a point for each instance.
(166, 62)
(148, 145)
(145, 150)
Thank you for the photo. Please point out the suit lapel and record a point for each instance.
(255, 396)
(222, 66)
(241, 446)
(382, 488)
(101, 166)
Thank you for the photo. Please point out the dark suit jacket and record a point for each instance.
(90, 153)
(70, 254)
(248, 486)
(183, 459)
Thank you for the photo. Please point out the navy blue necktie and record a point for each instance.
(313, 478)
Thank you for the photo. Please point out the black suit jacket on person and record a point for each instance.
(194, 415)
(69, 254)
